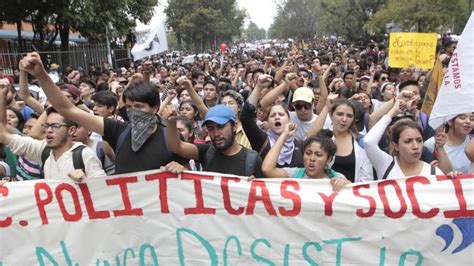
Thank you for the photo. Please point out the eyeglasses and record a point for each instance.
(299, 106)
(54, 126)
(383, 79)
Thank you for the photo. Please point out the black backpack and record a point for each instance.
(77, 160)
(250, 160)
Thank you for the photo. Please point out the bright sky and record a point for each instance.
(260, 11)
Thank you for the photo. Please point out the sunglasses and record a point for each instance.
(300, 106)
(383, 78)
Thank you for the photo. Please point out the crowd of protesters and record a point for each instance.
(327, 110)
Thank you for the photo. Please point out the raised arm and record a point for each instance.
(33, 65)
(443, 160)
(318, 123)
(197, 100)
(25, 95)
(387, 106)
(5, 135)
(269, 165)
(323, 88)
(271, 96)
(169, 97)
(183, 149)
(380, 159)
(371, 81)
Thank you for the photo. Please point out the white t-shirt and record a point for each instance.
(303, 126)
(456, 154)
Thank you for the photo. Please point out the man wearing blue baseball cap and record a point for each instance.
(224, 155)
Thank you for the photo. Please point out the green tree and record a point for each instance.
(347, 17)
(295, 18)
(203, 24)
(253, 32)
(89, 17)
(421, 15)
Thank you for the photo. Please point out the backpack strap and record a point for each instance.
(210, 153)
(44, 156)
(99, 150)
(388, 169)
(165, 137)
(250, 162)
(424, 120)
(122, 137)
(77, 160)
(299, 173)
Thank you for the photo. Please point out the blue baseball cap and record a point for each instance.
(219, 114)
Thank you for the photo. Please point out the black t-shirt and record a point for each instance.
(346, 165)
(152, 155)
(234, 165)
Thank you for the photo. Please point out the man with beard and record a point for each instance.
(58, 138)
(224, 155)
(139, 144)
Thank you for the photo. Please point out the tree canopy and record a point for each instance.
(89, 17)
(253, 32)
(204, 23)
(360, 19)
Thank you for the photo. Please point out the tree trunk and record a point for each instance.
(179, 41)
(18, 29)
(64, 36)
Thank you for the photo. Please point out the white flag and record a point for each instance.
(152, 43)
(456, 95)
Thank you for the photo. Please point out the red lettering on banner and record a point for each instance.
(8, 220)
(328, 200)
(386, 205)
(294, 197)
(264, 198)
(199, 209)
(371, 200)
(163, 187)
(410, 182)
(226, 195)
(462, 211)
(128, 210)
(41, 203)
(77, 215)
(93, 214)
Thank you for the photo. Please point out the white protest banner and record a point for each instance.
(152, 43)
(456, 95)
(152, 218)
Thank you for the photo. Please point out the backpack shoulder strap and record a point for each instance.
(250, 162)
(99, 150)
(388, 169)
(299, 173)
(122, 137)
(165, 137)
(44, 156)
(77, 160)
(424, 120)
(209, 157)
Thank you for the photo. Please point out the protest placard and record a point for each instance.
(412, 49)
(199, 218)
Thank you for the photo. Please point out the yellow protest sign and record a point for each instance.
(412, 49)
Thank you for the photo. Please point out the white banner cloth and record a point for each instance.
(201, 218)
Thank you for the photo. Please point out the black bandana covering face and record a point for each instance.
(143, 124)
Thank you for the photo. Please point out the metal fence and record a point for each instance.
(79, 55)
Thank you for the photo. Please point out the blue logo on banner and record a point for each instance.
(465, 225)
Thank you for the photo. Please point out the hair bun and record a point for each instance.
(325, 133)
